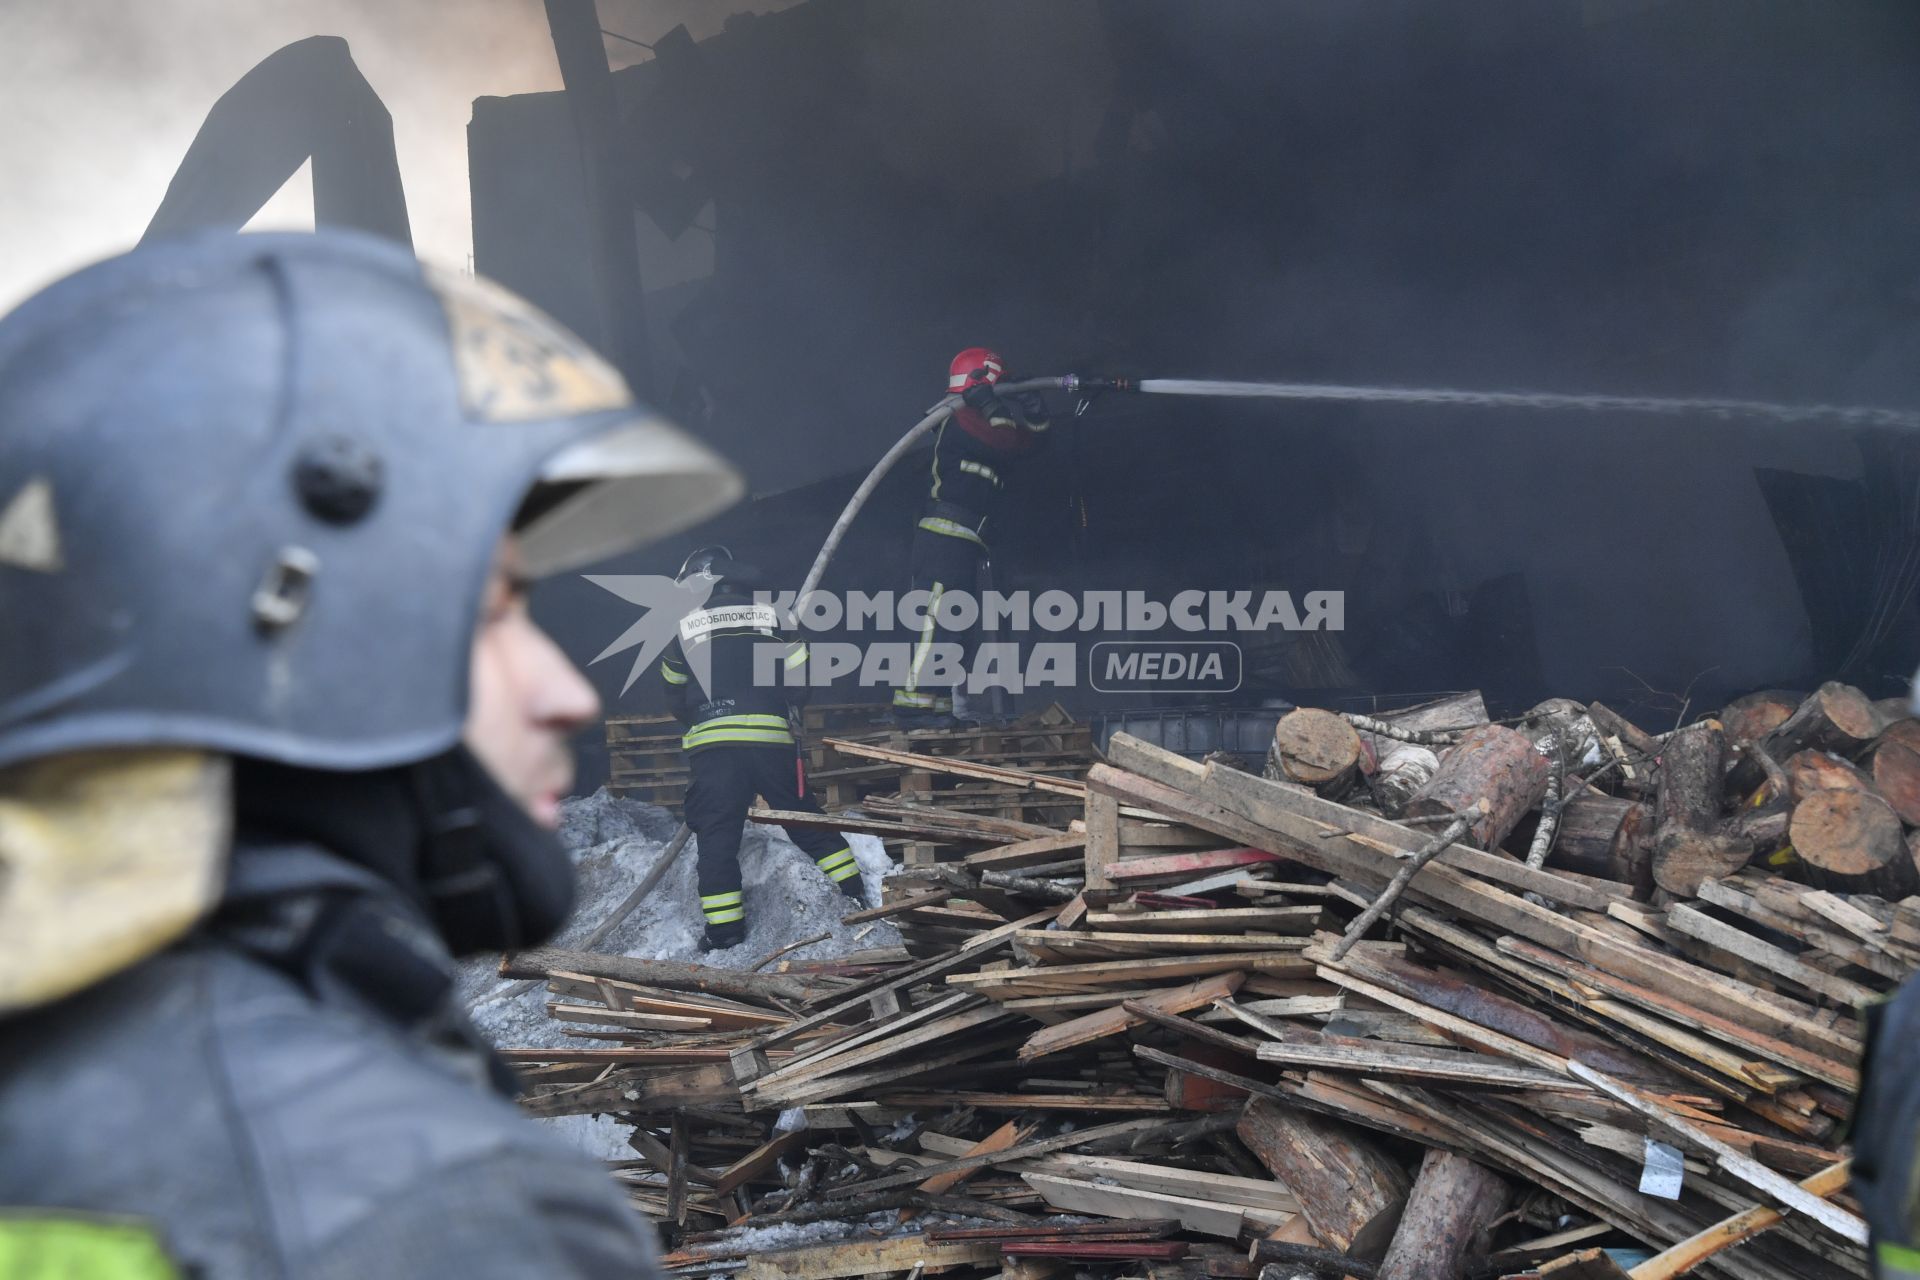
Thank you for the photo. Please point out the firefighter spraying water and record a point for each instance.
(976, 451)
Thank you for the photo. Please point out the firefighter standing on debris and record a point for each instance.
(740, 740)
(972, 453)
(278, 739)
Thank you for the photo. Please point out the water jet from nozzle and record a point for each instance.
(1844, 415)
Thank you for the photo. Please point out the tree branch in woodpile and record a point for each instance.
(1557, 798)
(1418, 737)
(1549, 811)
(1776, 776)
(1398, 885)
(771, 956)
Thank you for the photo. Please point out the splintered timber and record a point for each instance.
(1415, 991)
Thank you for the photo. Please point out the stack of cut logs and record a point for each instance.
(1433, 998)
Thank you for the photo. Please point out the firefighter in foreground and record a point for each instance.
(973, 452)
(278, 739)
(734, 678)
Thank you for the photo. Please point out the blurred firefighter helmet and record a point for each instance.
(251, 492)
(252, 488)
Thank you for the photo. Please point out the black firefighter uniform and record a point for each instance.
(740, 743)
(972, 454)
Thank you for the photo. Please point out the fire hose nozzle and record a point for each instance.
(1088, 386)
(1093, 384)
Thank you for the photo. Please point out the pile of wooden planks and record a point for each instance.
(1489, 1008)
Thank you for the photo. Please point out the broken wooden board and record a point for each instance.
(1140, 1175)
(599, 1015)
(1170, 867)
(1043, 979)
(1048, 947)
(1021, 1151)
(1010, 1134)
(1116, 1021)
(725, 1015)
(1297, 922)
(1126, 1103)
(1209, 1217)
(1026, 853)
(1016, 778)
(811, 1081)
(868, 1258)
(1468, 1069)
(1695, 923)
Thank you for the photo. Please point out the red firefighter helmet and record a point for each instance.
(975, 364)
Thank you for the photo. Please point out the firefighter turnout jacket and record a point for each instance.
(732, 673)
(972, 452)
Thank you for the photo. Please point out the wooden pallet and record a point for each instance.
(645, 762)
(1044, 743)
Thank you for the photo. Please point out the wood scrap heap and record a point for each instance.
(1434, 997)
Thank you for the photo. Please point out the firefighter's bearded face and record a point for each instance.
(526, 698)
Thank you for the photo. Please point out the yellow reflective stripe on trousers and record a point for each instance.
(838, 865)
(952, 528)
(916, 701)
(722, 908)
(44, 1247)
(924, 645)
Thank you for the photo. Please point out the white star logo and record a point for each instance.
(666, 602)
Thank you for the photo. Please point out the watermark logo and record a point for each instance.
(1165, 666)
(950, 639)
(664, 604)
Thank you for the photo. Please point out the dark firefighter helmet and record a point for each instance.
(251, 492)
(251, 488)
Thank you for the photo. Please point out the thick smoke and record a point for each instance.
(1697, 198)
(1687, 199)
